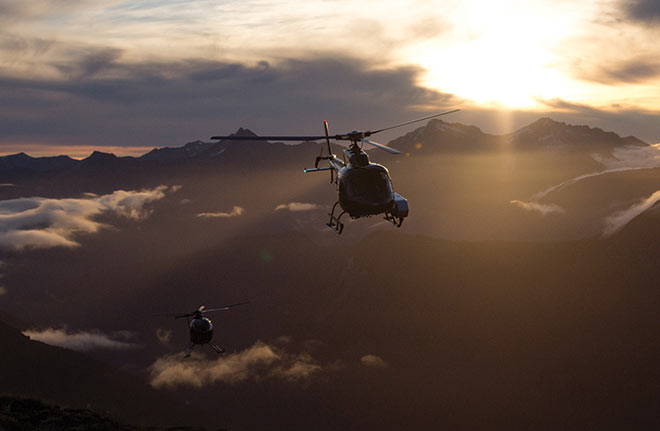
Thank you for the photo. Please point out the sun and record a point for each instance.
(499, 53)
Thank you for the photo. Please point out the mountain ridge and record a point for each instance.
(543, 132)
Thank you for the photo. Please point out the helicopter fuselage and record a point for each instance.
(201, 330)
(365, 190)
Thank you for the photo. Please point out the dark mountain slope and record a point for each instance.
(36, 370)
(486, 335)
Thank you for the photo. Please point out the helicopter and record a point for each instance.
(201, 328)
(364, 189)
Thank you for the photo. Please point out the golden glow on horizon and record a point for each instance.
(74, 151)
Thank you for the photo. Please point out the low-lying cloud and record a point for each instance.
(164, 335)
(82, 341)
(261, 361)
(45, 222)
(628, 158)
(235, 212)
(543, 209)
(297, 206)
(373, 361)
(618, 220)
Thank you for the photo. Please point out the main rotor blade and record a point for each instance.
(271, 138)
(410, 122)
(226, 307)
(381, 146)
(165, 315)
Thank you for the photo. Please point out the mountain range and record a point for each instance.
(544, 133)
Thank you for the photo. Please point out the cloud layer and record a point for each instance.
(647, 11)
(261, 361)
(193, 99)
(44, 222)
(297, 206)
(81, 341)
(235, 212)
(62, 78)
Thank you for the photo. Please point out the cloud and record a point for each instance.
(164, 335)
(147, 99)
(44, 222)
(618, 220)
(637, 70)
(540, 195)
(543, 209)
(297, 206)
(235, 212)
(628, 158)
(261, 361)
(373, 361)
(81, 341)
(565, 105)
(647, 11)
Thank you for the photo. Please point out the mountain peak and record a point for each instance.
(244, 132)
(100, 155)
(549, 133)
(18, 156)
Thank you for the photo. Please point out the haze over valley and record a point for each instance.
(520, 292)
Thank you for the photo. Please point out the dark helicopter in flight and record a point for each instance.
(201, 328)
(364, 188)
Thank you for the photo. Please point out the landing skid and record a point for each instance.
(214, 346)
(189, 351)
(334, 223)
(217, 348)
(396, 221)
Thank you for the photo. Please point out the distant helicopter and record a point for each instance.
(201, 328)
(364, 188)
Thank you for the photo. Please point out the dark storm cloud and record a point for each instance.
(633, 71)
(91, 63)
(105, 102)
(647, 11)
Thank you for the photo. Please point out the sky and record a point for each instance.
(127, 76)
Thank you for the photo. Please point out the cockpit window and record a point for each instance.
(370, 183)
